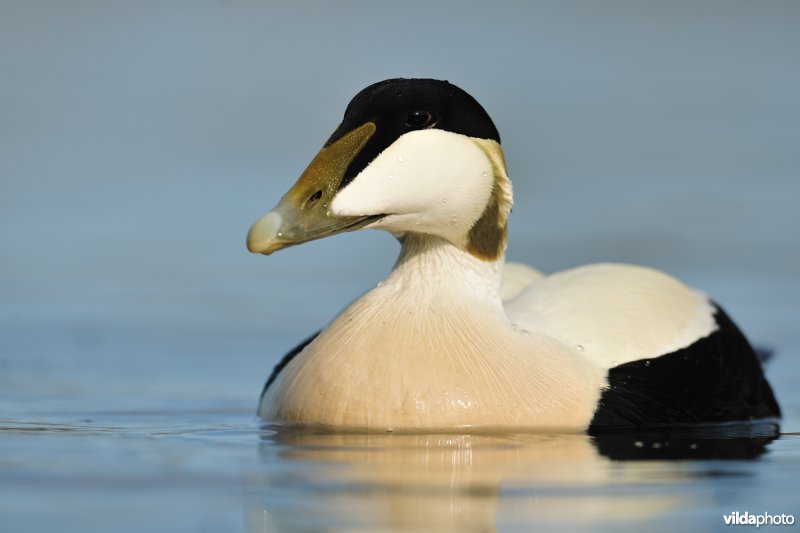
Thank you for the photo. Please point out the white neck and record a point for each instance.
(432, 268)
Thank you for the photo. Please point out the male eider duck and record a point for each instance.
(454, 337)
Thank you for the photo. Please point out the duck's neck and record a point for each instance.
(432, 268)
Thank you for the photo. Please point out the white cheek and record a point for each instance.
(426, 179)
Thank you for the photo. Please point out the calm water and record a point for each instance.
(220, 471)
(139, 141)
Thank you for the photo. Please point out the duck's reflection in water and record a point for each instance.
(479, 482)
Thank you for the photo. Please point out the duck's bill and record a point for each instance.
(303, 213)
(286, 226)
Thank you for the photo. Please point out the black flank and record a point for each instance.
(716, 379)
(285, 361)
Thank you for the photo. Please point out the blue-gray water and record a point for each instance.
(138, 142)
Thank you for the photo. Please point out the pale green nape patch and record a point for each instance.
(486, 239)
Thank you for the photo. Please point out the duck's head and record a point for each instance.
(411, 155)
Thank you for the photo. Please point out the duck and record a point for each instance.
(457, 339)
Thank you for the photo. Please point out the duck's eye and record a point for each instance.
(314, 198)
(419, 119)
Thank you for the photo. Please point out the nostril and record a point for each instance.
(314, 198)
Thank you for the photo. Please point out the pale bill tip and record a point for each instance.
(264, 233)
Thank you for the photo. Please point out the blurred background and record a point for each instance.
(139, 141)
